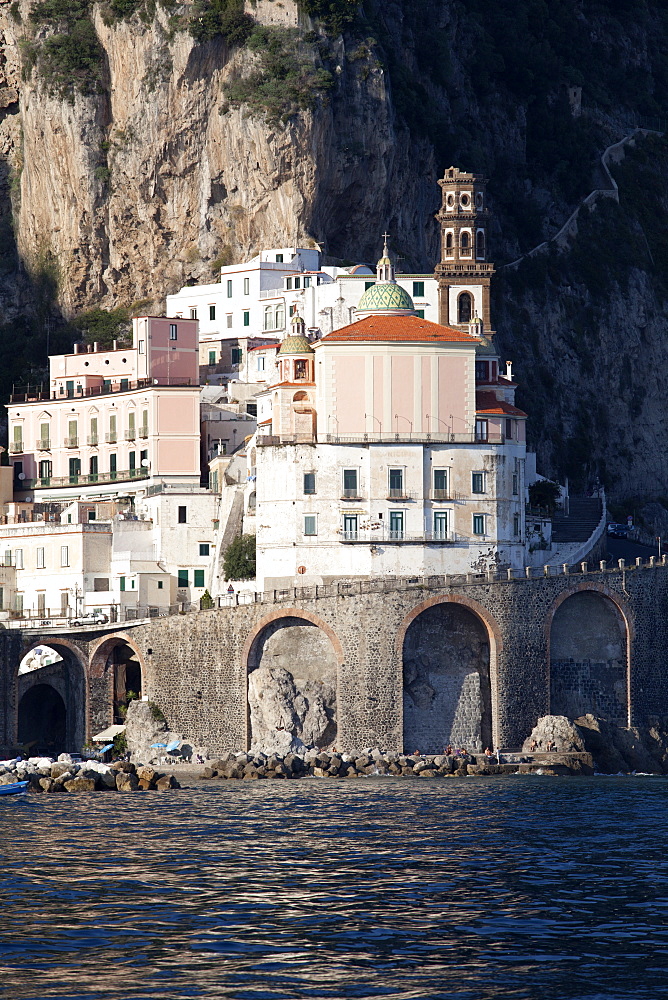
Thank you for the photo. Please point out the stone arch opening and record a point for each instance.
(447, 695)
(588, 658)
(51, 699)
(42, 721)
(116, 659)
(292, 684)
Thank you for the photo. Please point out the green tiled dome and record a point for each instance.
(295, 345)
(386, 297)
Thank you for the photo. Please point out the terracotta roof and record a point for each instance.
(505, 382)
(264, 347)
(486, 402)
(291, 385)
(398, 328)
(263, 422)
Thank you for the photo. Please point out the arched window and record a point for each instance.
(268, 318)
(280, 317)
(464, 241)
(299, 397)
(464, 308)
(480, 244)
(448, 241)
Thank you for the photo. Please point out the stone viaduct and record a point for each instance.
(400, 664)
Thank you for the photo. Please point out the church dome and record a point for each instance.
(295, 345)
(386, 297)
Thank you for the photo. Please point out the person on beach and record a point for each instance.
(488, 752)
(551, 746)
(448, 750)
(533, 747)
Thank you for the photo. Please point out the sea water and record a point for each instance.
(463, 889)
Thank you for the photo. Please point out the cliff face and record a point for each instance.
(127, 192)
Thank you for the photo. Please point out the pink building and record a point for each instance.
(108, 417)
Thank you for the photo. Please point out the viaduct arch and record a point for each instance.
(526, 640)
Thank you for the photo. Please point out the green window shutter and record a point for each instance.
(183, 578)
(418, 289)
(420, 313)
(199, 577)
(246, 317)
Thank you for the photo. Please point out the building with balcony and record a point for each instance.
(111, 421)
(391, 446)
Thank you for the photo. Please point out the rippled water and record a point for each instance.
(526, 887)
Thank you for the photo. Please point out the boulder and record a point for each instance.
(127, 782)
(46, 784)
(557, 730)
(8, 778)
(60, 768)
(107, 779)
(146, 773)
(428, 772)
(165, 782)
(80, 784)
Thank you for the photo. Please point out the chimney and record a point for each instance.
(509, 370)
(76, 348)
(115, 346)
(96, 346)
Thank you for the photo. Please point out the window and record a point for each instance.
(93, 439)
(17, 444)
(310, 524)
(268, 318)
(74, 470)
(298, 282)
(44, 437)
(293, 310)
(18, 602)
(198, 575)
(440, 483)
(64, 602)
(279, 258)
(350, 526)
(72, 434)
(122, 584)
(350, 482)
(516, 524)
(40, 559)
(160, 584)
(229, 289)
(464, 308)
(193, 312)
(478, 524)
(173, 331)
(246, 286)
(64, 555)
(260, 363)
(368, 285)
(212, 357)
(93, 468)
(464, 241)
(112, 467)
(246, 317)
(182, 515)
(309, 482)
(132, 463)
(441, 524)
(515, 484)
(237, 355)
(204, 548)
(288, 284)
(396, 524)
(418, 289)
(8, 557)
(143, 430)
(481, 371)
(111, 439)
(143, 459)
(420, 313)
(448, 242)
(141, 346)
(131, 426)
(125, 384)
(509, 429)
(132, 583)
(45, 471)
(18, 559)
(279, 317)
(477, 482)
(480, 244)
(182, 578)
(396, 477)
(307, 282)
(41, 603)
(481, 431)
(212, 312)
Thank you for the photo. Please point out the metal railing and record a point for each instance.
(43, 444)
(143, 432)
(401, 494)
(410, 437)
(84, 479)
(351, 494)
(92, 440)
(38, 394)
(130, 434)
(71, 442)
(387, 536)
(111, 438)
(16, 447)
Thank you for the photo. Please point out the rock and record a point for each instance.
(428, 772)
(555, 729)
(127, 782)
(58, 769)
(209, 772)
(80, 784)
(320, 772)
(123, 765)
(146, 773)
(107, 779)
(165, 782)
(145, 784)
(46, 784)
(251, 775)
(8, 778)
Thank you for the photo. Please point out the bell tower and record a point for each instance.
(463, 273)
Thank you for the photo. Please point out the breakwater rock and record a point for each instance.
(613, 749)
(332, 764)
(66, 775)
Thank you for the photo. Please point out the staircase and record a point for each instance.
(584, 516)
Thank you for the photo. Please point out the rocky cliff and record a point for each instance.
(177, 145)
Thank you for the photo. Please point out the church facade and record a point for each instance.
(393, 446)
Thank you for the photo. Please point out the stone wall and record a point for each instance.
(195, 666)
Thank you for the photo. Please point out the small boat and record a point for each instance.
(16, 786)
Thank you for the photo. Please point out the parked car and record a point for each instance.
(618, 530)
(92, 618)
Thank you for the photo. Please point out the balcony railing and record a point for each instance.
(394, 537)
(143, 432)
(34, 394)
(394, 493)
(71, 442)
(84, 479)
(16, 447)
(407, 437)
(92, 440)
(130, 434)
(43, 444)
(351, 494)
(111, 438)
